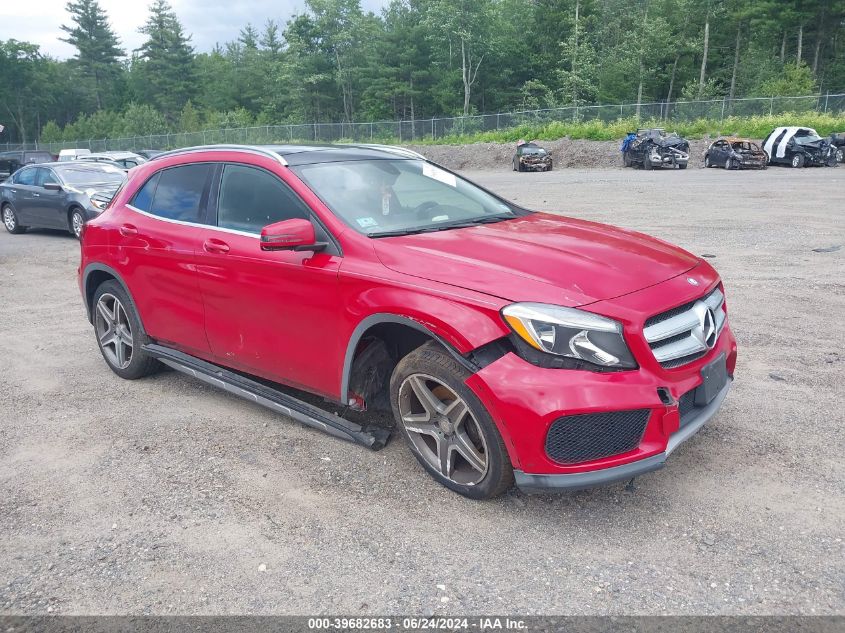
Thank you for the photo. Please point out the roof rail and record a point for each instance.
(394, 149)
(249, 149)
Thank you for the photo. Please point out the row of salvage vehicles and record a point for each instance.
(795, 146)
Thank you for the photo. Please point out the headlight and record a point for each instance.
(570, 333)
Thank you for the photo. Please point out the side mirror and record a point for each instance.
(290, 235)
(52, 186)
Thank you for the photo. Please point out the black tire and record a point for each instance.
(432, 361)
(707, 163)
(549, 168)
(682, 165)
(10, 220)
(797, 161)
(731, 164)
(626, 159)
(513, 164)
(647, 164)
(76, 219)
(140, 363)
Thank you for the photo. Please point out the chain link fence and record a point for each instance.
(440, 128)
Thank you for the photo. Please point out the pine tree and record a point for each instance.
(98, 48)
(167, 60)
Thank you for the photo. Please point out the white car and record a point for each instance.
(72, 154)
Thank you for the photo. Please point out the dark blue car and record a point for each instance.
(57, 195)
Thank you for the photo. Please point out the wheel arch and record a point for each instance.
(394, 328)
(94, 276)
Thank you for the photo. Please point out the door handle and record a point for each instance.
(213, 245)
(127, 230)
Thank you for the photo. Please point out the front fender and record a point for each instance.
(460, 327)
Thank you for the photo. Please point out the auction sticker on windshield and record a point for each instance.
(438, 174)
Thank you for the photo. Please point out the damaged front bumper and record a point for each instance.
(668, 158)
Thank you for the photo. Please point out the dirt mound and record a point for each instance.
(565, 153)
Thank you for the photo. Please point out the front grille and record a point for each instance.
(679, 336)
(581, 438)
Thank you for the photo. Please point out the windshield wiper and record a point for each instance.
(410, 231)
(488, 219)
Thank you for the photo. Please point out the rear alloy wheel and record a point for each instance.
(119, 332)
(797, 160)
(448, 429)
(10, 221)
(77, 220)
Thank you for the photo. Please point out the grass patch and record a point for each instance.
(755, 127)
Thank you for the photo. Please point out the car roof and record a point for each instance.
(82, 165)
(110, 155)
(308, 153)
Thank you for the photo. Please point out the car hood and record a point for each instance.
(538, 257)
(670, 141)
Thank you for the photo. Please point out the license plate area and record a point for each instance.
(714, 375)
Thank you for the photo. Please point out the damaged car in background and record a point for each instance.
(653, 148)
(837, 139)
(799, 147)
(531, 157)
(735, 153)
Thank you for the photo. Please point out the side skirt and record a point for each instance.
(373, 437)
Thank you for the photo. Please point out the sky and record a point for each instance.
(38, 21)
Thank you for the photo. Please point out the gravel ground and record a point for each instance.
(165, 496)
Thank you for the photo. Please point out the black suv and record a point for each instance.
(10, 162)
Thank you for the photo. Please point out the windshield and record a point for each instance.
(395, 197)
(533, 151)
(82, 177)
(805, 137)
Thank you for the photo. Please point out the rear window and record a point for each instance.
(143, 200)
(38, 157)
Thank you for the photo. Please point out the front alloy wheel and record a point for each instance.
(442, 429)
(448, 429)
(114, 331)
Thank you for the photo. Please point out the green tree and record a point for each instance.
(796, 80)
(166, 61)
(23, 75)
(462, 28)
(97, 46)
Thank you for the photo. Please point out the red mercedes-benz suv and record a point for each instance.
(510, 345)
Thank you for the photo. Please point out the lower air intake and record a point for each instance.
(581, 438)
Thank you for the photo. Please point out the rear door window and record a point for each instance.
(180, 192)
(25, 177)
(251, 198)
